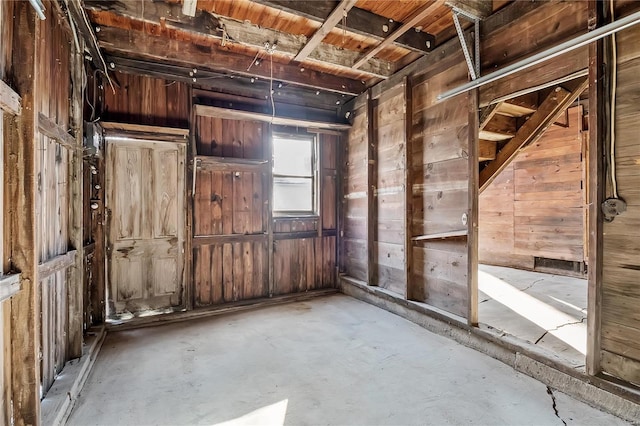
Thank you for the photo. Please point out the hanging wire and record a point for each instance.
(614, 84)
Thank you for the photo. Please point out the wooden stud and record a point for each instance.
(371, 166)
(189, 273)
(472, 219)
(21, 147)
(52, 130)
(408, 187)
(76, 236)
(598, 134)
(267, 142)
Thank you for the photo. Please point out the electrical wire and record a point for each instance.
(614, 84)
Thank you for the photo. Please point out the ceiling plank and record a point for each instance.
(409, 23)
(359, 21)
(554, 105)
(234, 31)
(332, 20)
(211, 57)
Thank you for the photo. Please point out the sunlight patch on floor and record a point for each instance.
(563, 326)
(271, 415)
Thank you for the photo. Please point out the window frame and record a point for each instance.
(315, 167)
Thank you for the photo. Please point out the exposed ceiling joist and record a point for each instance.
(242, 33)
(409, 23)
(240, 86)
(332, 20)
(359, 21)
(159, 49)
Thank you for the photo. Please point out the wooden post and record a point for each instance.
(189, 281)
(598, 134)
(21, 148)
(472, 219)
(268, 155)
(408, 187)
(371, 192)
(76, 273)
(340, 172)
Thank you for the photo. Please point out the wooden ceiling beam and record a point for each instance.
(359, 21)
(332, 20)
(409, 23)
(211, 57)
(239, 86)
(234, 31)
(477, 8)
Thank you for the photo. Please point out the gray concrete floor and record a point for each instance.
(547, 310)
(332, 360)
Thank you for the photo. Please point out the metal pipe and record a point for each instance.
(39, 8)
(551, 53)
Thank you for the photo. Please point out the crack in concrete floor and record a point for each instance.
(559, 327)
(554, 405)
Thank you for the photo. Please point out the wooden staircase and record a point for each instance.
(508, 126)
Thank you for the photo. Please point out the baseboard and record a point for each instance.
(60, 399)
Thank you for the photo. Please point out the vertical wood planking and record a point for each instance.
(371, 215)
(408, 188)
(472, 221)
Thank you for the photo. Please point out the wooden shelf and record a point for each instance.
(441, 235)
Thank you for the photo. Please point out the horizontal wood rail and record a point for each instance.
(204, 162)
(205, 240)
(233, 114)
(54, 131)
(57, 264)
(10, 101)
(303, 234)
(9, 285)
(145, 132)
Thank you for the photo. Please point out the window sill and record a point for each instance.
(295, 216)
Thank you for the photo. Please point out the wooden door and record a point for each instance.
(145, 187)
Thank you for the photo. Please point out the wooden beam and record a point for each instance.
(205, 162)
(472, 219)
(76, 288)
(409, 23)
(53, 130)
(86, 31)
(205, 240)
(20, 146)
(9, 99)
(372, 211)
(9, 285)
(209, 111)
(477, 8)
(359, 21)
(555, 103)
(408, 188)
(332, 20)
(242, 33)
(158, 49)
(596, 184)
(57, 264)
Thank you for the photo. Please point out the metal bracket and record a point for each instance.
(474, 70)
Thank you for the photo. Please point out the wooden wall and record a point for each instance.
(42, 229)
(620, 319)
(536, 205)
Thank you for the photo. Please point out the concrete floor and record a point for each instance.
(544, 309)
(333, 360)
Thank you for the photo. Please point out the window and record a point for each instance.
(294, 171)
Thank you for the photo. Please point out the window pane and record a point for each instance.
(292, 194)
(292, 156)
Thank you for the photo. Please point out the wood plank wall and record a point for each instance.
(536, 206)
(354, 232)
(620, 320)
(441, 188)
(53, 197)
(389, 133)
